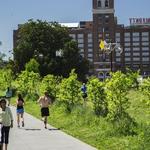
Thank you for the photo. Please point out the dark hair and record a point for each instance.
(19, 96)
(3, 100)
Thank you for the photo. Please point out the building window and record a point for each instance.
(118, 54)
(127, 44)
(117, 35)
(135, 34)
(80, 40)
(136, 58)
(90, 40)
(136, 49)
(127, 39)
(90, 45)
(99, 3)
(80, 45)
(118, 39)
(145, 43)
(127, 59)
(145, 54)
(80, 36)
(90, 35)
(106, 3)
(136, 44)
(145, 58)
(136, 54)
(145, 39)
(127, 49)
(145, 48)
(90, 49)
(127, 34)
(118, 59)
(145, 33)
(136, 39)
(127, 54)
(90, 55)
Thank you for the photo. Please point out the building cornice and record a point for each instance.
(103, 11)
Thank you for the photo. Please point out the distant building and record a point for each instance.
(134, 41)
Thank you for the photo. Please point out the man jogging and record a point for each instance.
(44, 102)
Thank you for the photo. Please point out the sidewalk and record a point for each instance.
(34, 137)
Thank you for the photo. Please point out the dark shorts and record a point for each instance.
(84, 95)
(20, 111)
(44, 111)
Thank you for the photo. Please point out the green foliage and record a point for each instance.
(117, 89)
(6, 78)
(133, 76)
(28, 83)
(97, 95)
(70, 91)
(32, 65)
(41, 40)
(145, 88)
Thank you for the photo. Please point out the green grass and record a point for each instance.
(96, 131)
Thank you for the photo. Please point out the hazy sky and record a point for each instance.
(14, 12)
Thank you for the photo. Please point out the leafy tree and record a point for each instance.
(2, 61)
(70, 91)
(145, 88)
(97, 95)
(41, 40)
(6, 78)
(50, 83)
(32, 65)
(28, 83)
(117, 88)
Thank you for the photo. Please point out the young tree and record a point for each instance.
(70, 91)
(96, 93)
(117, 88)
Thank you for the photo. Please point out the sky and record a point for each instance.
(14, 12)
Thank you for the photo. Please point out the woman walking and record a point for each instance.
(20, 110)
(6, 121)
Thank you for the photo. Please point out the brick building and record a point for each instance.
(134, 41)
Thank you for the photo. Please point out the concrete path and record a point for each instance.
(34, 137)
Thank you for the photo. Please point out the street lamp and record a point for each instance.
(109, 48)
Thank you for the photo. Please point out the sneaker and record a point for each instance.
(18, 126)
(22, 124)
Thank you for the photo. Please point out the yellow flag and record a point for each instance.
(102, 44)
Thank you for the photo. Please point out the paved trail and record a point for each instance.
(34, 137)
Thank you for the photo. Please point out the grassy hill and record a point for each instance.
(96, 131)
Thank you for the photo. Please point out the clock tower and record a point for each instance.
(103, 28)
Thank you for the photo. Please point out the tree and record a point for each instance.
(117, 88)
(96, 93)
(41, 40)
(70, 91)
(32, 65)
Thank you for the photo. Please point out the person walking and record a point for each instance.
(20, 110)
(8, 95)
(6, 121)
(44, 102)
(84, 91)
